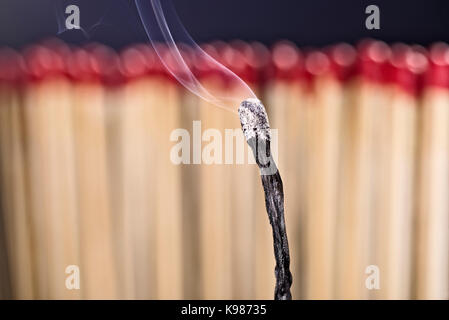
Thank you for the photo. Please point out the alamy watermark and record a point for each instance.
(73, 20)
(372, 282)
(373, 20)
(213, 146)
(72, 282)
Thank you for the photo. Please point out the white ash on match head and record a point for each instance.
(254, 119)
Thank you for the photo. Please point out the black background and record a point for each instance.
(308, 23)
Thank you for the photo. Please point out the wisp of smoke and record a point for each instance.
(163, 25)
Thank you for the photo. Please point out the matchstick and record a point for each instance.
(297, 164)
(329, 75)
(15, 218)
(396, 231)
(51, 172)
(62, 178)
(125, 196)
(115, 101)
(383, 87)
(37, 168)
(215, 222)
(432, 258)
(322, 180)
(256, 129)
(95, 225)
(356, 189)
(169, 265)
(6, 245)
(136, 220)
(190, 111)
(263, 258)
(287, 98)
(237, 57)
(340, 96)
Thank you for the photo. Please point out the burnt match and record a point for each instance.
(256, 128)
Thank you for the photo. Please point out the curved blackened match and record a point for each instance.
(256, 128)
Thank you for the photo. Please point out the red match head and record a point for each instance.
(256, 58)
(106, 64)
(12, 66)
(134, 63)
(373, 56)
(397, 71)
(316, 64)
(287, 62)
(207, 68)
(438, 71)
(343, 58)
(234, 58)
(82, 65)
(43, 62)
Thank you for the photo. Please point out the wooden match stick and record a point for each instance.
(322, 180)
(263, 258)
(337, 118)
(114, 97)
(18, 260)
(190, 111)
(6, 245)
(51, 172)
(63, 218)
(327, 85)
(287, 98)
(136, 220)
(215, 222)
(240, 58)
(355, 208)
(381, 149)
(125, 196)
(95, 225)
(432, 258)
(396, 231)
(169, 264)
(37, 168)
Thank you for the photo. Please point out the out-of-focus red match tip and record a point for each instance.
(188, 55)
(254, 58)
(134, 64)
(207, 68)
(316, 64)
(418, 63)
(43, 62)
(287, 62)
(202, 68)
(12, 66)
(236, 61)
(398, 72)
(438, 71)
(106, 64)
(174, 64)
(258, 57)
(81, 65)
(343, 58)
(154, 66)
(373, 56)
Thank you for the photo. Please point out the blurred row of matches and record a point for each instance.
(87, 178)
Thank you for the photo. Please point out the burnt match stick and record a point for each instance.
(256, 129)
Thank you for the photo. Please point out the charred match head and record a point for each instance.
(255, 127)
(254, 119)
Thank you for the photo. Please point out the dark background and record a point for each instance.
(308, 23)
